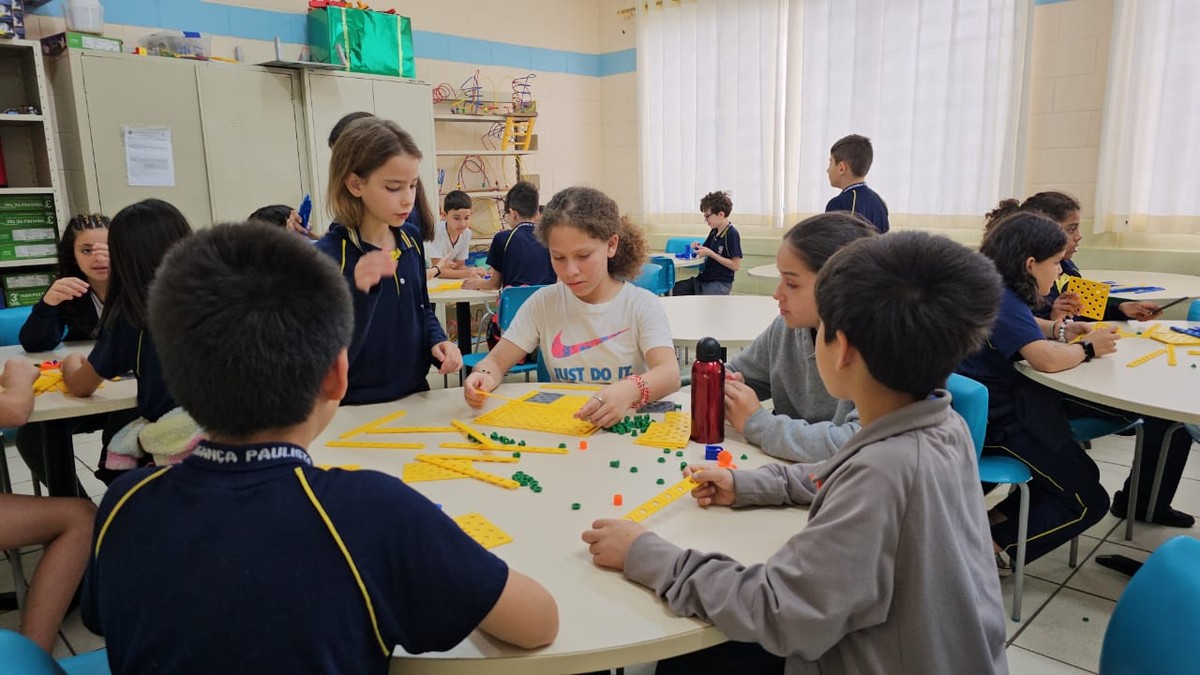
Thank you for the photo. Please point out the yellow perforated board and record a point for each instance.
(484, 476)
(1092, 294)
(507, 448)
(416, 472)
(483, 530)
(660, 500)
(1170, 337)
(555, 417)
(673, 432)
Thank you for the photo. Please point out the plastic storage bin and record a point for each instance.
(84, 16)
(188, 44)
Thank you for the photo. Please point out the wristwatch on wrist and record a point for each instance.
(1089, 351)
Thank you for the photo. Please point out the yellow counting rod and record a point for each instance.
(410, 430)
(375, 445)
(512, 448)
(474, 458)
(371, 425)
(473, 433)
(1171, 356)
(1147, 358)
(662, 499)
(484, 476)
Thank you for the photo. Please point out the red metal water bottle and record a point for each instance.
(708, 393)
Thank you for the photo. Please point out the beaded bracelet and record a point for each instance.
(643, 388)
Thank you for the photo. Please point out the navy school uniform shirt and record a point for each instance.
(248, 578)
(68, 321)
(521, 258)
(124, 349)
(864, 201)
(992, 365)
(726, 243)
(394, 324)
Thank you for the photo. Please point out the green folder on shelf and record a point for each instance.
(363, 41)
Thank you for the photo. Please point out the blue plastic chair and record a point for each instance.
(1086, 429)
(970, 399)
(1194, 311)
(511, 299)
(11, 320)
(658, 276)
(1154, 626)
(19, 654)
(682, 244)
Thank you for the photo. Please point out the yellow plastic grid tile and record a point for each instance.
(555, 417)
(673, 432)
(1093, 295)
(483, 530)
(484, 476)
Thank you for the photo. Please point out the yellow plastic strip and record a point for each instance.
(1171, 356)
(362, 588)
(379, 445)
(1151, 330)
(121, 502)
(662, 499)
(473, 473)
(373, 424)
(478, 458)
(410, 430)
(1194, 352)
(1148, 357)
(507, 448)
(477, 435)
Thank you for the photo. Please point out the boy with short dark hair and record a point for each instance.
(516, 257)
(722, 248)
(849, 161)
(451, 244)
(894, 571)
(271, 564)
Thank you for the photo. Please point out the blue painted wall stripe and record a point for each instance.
(259, 24)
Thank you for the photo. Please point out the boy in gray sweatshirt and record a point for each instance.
(894, 572)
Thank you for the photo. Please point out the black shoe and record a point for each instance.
(1168, 517)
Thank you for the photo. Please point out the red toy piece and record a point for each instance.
(618, 500)
(583, 445)
(725, 460)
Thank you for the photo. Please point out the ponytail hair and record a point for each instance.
(598, 216)
(1006, 207)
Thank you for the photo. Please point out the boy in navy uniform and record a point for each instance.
(894, 571)
(516, 257)
(722, 248)
(265, 563)
(849, 161)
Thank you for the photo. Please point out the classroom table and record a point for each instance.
(53, 408)
(1175, 285)
(462, 300)
(768, 271)
(1154, 388)
(734, 320)
(683, 263)
(605, 621)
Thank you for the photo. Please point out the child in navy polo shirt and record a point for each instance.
(270, 564)
(722, 247)
(138, 238)
(373, 186)
(849, 161)
(1025, 419)
(516, 257)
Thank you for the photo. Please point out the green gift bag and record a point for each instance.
(372, 42)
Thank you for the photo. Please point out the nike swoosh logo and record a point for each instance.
(561, 351)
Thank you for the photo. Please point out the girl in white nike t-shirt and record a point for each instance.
(593, 326)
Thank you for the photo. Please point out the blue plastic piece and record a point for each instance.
(711, 452)
(1154, 626)
(305, 211)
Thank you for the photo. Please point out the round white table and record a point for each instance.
(605, 620)
(682, 263)
(1154, 388)
(734, 320)
(54, 408)
(1175, 285)
(768, 271)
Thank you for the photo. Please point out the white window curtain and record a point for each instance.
(749, 96)
(1150, 144)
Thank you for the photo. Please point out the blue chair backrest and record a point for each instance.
(11, 320)
(681, 244)
(511, 299)
(19, 654)
(658, 276)
(1194, 311)
(1155, 625)
(970, 400)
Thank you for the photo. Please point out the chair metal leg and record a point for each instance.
(14, 555)
(1162, 465)
(1074, 558)
(1135, 477)
(1019, 567)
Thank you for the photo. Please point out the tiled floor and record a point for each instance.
(1065, 610)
